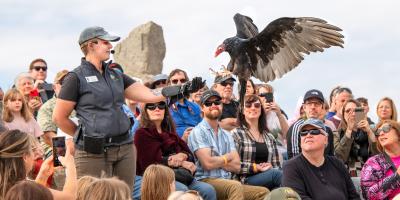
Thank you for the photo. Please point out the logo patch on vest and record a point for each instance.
(91, 79)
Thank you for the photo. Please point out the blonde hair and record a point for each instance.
(14, 145)
(156, 182)
(107, 189)
(12, 95)
(85, 46)
(83, 184)
(393, 107)
(395, 125)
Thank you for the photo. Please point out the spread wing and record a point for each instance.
(244, 26)
(280, 47)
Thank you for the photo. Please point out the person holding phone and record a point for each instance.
(355, 141)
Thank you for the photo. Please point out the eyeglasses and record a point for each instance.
(249, 104)
(105, 42)
(38, 68)
(210, 103)
(175, 81)
(349, 110)
(385, 128)
(311, 131)
(153, 106)
(225, 83)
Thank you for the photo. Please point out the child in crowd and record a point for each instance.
(16, 114)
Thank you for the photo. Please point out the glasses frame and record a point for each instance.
(175, 81)
(210, 103)
(385, 128)
(153, 106)
(313, 132)
(38, 68)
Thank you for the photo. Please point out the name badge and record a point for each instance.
(91, 79)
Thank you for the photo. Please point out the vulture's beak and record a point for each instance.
(220, 49)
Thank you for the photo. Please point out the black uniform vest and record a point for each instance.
(99, 105)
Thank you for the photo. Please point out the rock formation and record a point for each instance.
(141, 54)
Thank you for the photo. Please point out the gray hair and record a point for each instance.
(23, 75)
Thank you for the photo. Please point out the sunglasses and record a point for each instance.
(210, 103)
(225, 83)
(38, 68)
(249, 104)
(153, 106)
(385, 128)
(175, 81)
(311, 131)
(160, 82)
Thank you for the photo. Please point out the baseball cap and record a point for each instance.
(314, 94)
(60, 76)
(207, 94)
(159, 77)
(315, 123)
(220, 79)
(283, 193)
(96, 32)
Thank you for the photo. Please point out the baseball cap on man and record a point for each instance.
(315, 123)
(208, 94)
(96, 32)
(220, 79)
(314, 94)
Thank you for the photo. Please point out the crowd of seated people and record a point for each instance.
(124, 140)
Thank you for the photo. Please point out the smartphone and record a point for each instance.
(58, 149)
(359, 114)
(269, 97)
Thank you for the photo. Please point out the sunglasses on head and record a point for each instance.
(210, 103)
(175, 81)
(385, 128)
(249, 104)
(311, 131)
(153, 106)
(225, 83)
(38, 68)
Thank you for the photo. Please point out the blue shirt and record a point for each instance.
(202, 136)
(185, 115)
(133, 119)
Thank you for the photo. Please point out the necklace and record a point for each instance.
(259, 139)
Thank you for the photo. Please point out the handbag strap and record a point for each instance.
(389, 160)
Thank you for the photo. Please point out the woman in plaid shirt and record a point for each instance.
(259, 155)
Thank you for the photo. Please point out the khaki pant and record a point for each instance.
(234, 190)
(119, 161)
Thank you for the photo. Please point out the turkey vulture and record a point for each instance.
(277, 49)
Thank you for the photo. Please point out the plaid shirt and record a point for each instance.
(246, 148)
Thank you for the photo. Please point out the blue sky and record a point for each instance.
(369, 63)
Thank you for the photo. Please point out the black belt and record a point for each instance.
(117, 139)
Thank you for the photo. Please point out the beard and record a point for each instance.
(213, 114)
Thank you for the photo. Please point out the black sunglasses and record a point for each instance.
(175, 81)
(256, 104)
(311, 131)
(153, 106)
(385, 128)
(38, 68)
(225, 83)
(210, 103)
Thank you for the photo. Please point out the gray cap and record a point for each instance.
(315, 123)
(96, 32)
(159, 77)
(220, 79)
(208, 94)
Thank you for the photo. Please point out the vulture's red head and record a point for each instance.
(220, 49)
